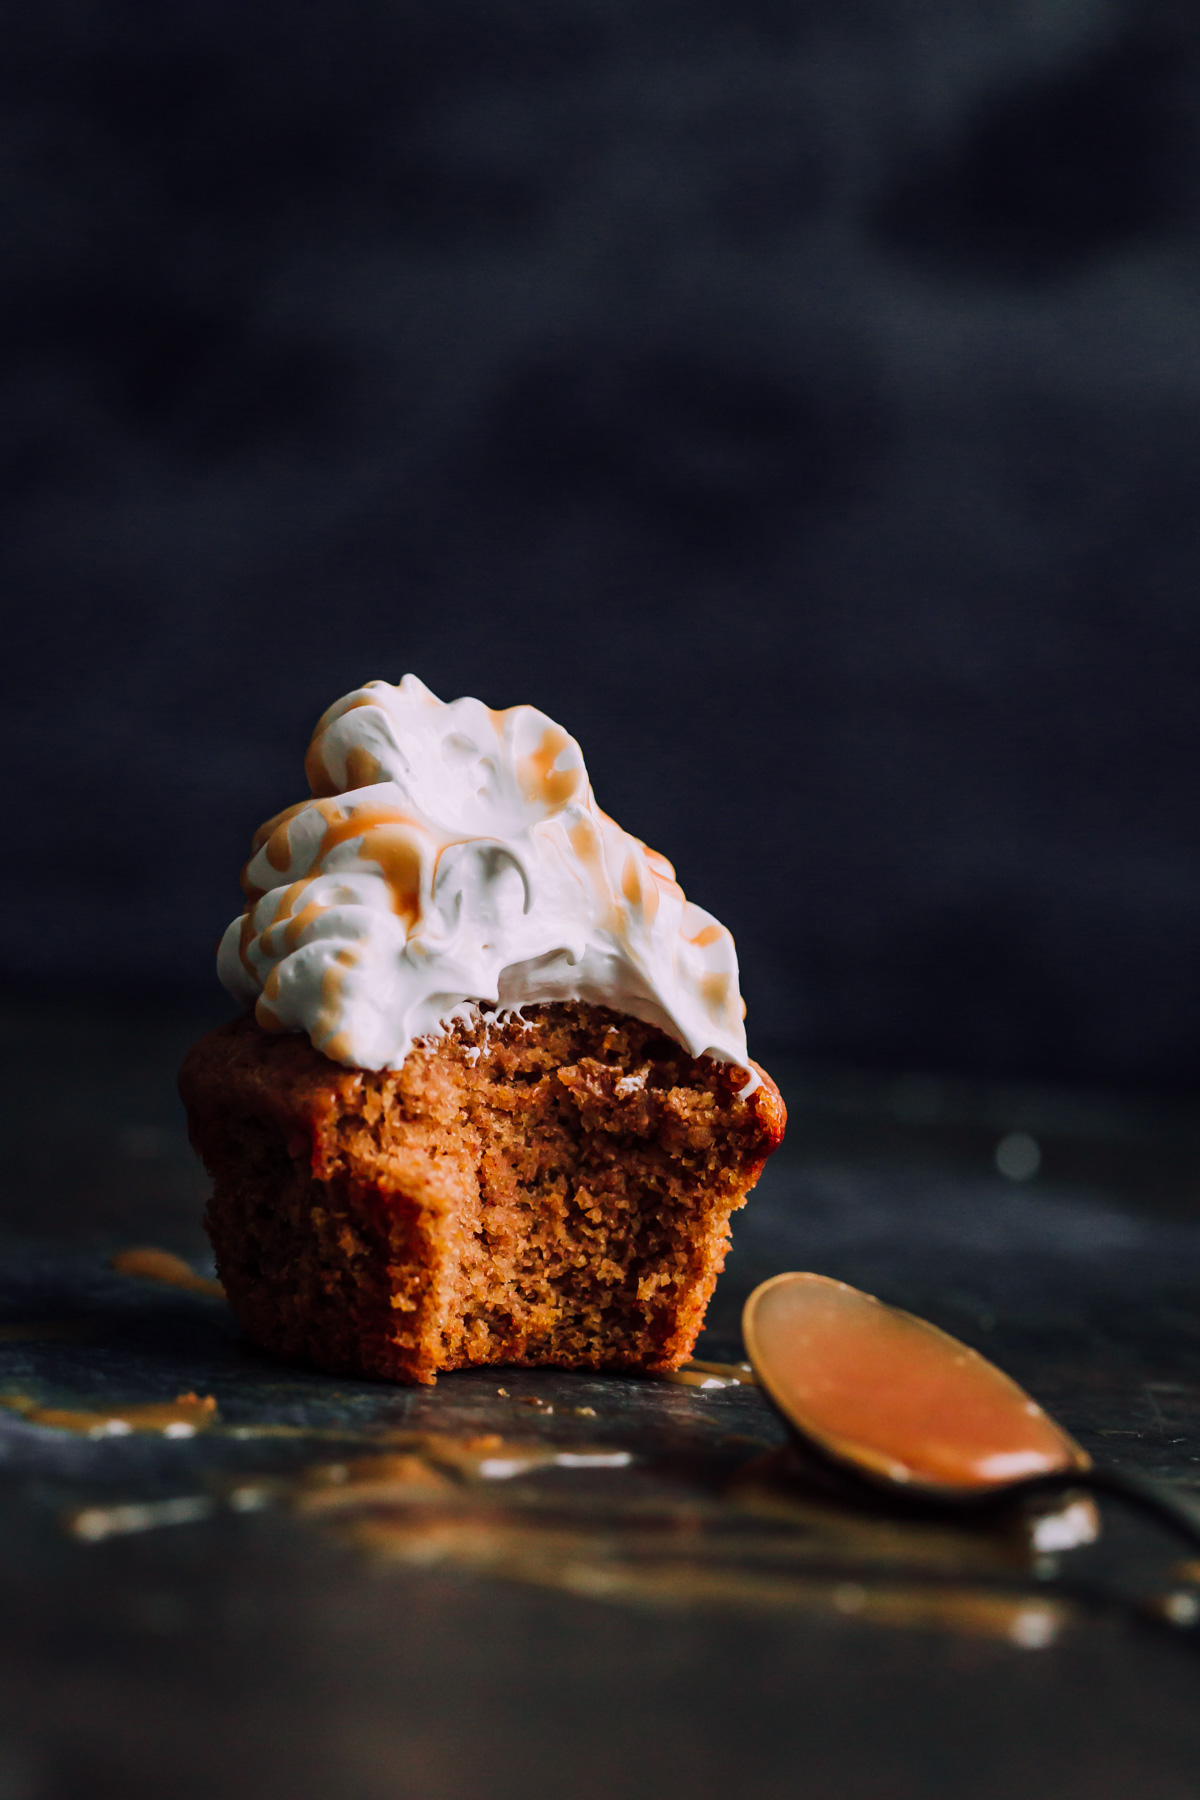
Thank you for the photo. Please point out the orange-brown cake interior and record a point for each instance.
(547, 1190)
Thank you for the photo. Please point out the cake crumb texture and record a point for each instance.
(554, 1189)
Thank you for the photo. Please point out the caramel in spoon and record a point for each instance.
(894, 1397)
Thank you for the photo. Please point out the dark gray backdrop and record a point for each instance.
(797, 398)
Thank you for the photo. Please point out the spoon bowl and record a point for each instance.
(894, 1399)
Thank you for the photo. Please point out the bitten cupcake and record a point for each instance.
(490, 1101)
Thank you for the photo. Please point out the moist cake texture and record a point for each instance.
(552, 1189)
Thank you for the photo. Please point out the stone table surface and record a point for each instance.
(522, 1583)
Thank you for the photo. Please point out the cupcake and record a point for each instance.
(490, 1100)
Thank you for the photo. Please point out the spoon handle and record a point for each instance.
(1147, 1495)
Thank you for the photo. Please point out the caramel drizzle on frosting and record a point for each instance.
(362, 769)
(538, 777)
(536, 807)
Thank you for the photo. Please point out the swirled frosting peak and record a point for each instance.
(451, 856)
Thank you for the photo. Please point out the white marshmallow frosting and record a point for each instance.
(454, 855)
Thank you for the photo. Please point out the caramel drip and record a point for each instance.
(279, 849)
(391, 846)
(149, 1264)
(699, 1374)
(540, 780)
(246, 938)
(659, 864)
(299, 922)
(362, 769)
(332, 985)
(284, 913)
(269, 827)
(715, 990)
(363, 1481)
(585, 840)
(390, 840)
(662, 871)
(279, 841)
(321, 782)
(264, 1011)
(711, 934)
(640, 893)
(741, 1372)
(178, 1418)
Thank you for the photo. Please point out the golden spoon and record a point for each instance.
(906, 1406)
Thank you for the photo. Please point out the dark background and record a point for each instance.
(797, 398)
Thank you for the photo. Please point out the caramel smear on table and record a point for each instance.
(712, 1375)
(429, 1502)
(182, 1417)
(367, 1481)
(477, 1456)
(149, 1264)
(95, 1523)
(582, 1562)
(430, 1466)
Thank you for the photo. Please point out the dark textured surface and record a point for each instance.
(798, 400)
(263, 1654)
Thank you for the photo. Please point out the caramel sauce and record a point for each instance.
(404, 1511)
(397, 846)
(662, 875)
(659, 865)
(640, 1569)
(710, 934)
(279, 849)
(246, 935)
(742, 1372)
(893, 1395)
(95, 1523)
(269, 826)
(321, 784)
(639, 893)
(697, 1378)
(362, 769)
(283, 911)
(390, 839)
(537, 777)
(367, 1480)
(182, 1417)
(428, 1499)
(697, 1374)
(332, 984)
(299, 922)
(278, 842)
(588, 845)
(150, 1264)
(716, 989)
